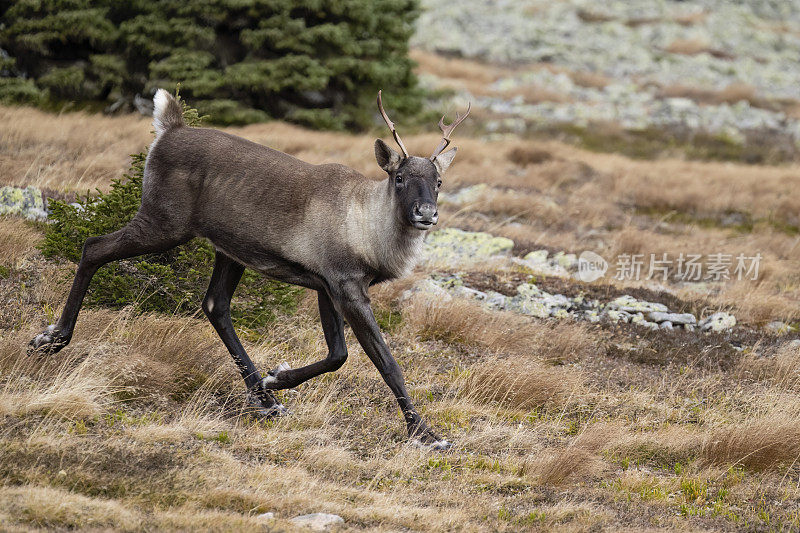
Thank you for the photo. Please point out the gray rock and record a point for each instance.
(318, 521)
(531, 300)
(629, 304)
(780, 328)
(538, 256)
(427, 288)
(618, 316)
(465, 196)
(266, 517)
(635, 56)
(566, 261)
(592, 315)
(639, 320)
(718, 322)
(26, 202)
(456, 247)
(666, 325)
(466, 292)
(547, 268)
(495, 300)
(674, 318)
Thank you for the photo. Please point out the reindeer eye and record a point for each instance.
(438, 183)
(398, 179)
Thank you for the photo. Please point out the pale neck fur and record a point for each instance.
(378, 233)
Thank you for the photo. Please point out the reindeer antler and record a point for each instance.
(447, 130)
(391, 126)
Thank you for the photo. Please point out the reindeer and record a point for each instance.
(323, 227)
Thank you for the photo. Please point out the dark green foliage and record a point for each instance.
(315, 62)
(170, 282)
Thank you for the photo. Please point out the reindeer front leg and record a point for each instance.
(355, 307)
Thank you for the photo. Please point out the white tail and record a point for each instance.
(167, 112)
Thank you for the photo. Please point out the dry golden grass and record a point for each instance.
(521, 383)
(477, 78)
(73, 152)
(579, 459)
(763, 443)
(591, 80)
(139, 423)
(691, 19)
(688, 47)
(733, 93)
(463, 321)
(17, 240)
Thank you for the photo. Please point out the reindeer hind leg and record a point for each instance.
(141, 236)
(216, 306)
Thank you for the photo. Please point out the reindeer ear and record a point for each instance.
(442, 161)
(388, 159)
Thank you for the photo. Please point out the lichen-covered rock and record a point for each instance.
(780, 328)
(536, 257)
(455, 246)
(592, 315)
(495, 300)
(639, 319)
(673, 318)
(465, 196)
(718, 322)
(467, 292)
(531, 300)
(566, 261)
(546, 268)
(629, 304)
(25, 202)
(559, 264)
(617, 316)
(426, 288)
(636, 58)
(318, 521)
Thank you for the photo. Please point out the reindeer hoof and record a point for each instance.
(441, 445)
(424, 438)
(273, 379)
(49, 340)
(258, 409)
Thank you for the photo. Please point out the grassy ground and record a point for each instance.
(138, 424)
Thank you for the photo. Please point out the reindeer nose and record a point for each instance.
(426, 213)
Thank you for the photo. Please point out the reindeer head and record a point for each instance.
(416, 180)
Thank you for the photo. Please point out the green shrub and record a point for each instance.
(170, 282)
(315, 62)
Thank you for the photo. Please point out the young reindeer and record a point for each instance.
(324, 227)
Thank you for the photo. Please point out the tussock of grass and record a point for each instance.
(18, 241)
(464, 321)
(579, 459)
(50, 508)
(771, 442)
(522, 383)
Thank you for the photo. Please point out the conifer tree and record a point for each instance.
(315, 62)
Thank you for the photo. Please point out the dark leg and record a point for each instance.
(333, 327)
(137, 238)
(216, 305)
(354, 304)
